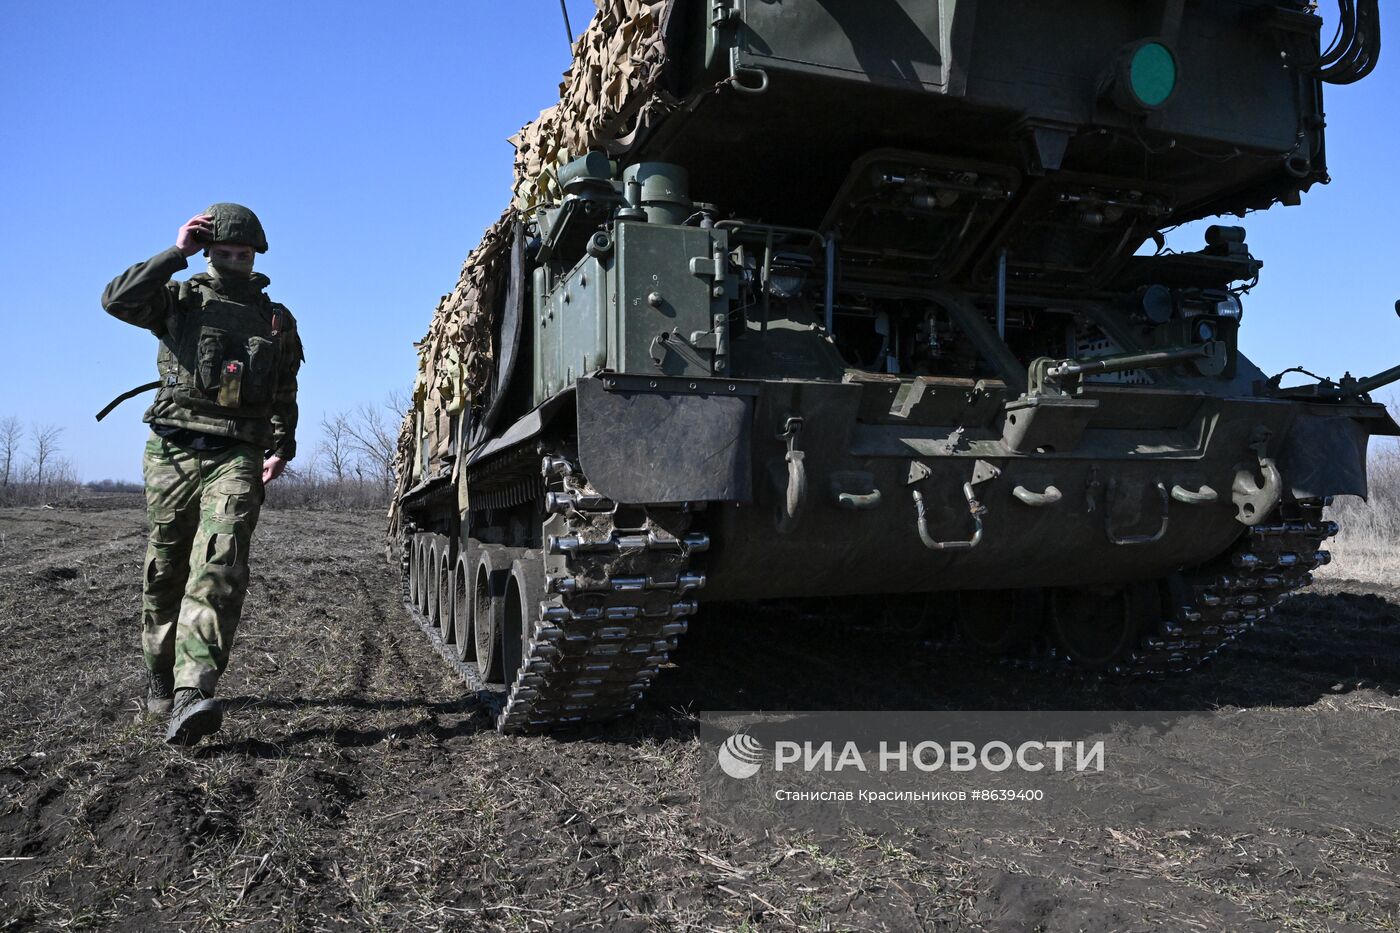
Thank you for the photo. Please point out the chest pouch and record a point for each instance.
(209, 361)
(235, 358)
(231, 384)
(260, 381)
(235, 370)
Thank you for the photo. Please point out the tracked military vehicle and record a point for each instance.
(816, 297)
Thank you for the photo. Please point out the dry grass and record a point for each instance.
(1368, 546)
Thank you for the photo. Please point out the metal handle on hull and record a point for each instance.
(1129, 540)
(855, 491)
(859, 501)
(1050, 496)
(1203, 496)
(974, 508)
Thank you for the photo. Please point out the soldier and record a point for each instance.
(223, 425)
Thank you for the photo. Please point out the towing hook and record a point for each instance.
(795, 497)
(1254, 501)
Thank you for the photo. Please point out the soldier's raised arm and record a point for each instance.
(143, 295)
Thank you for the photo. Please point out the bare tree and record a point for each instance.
(11, 433)
(45, 441)
(352, 466)
(397, 403)
(61, 476)
(375, 438)
(336, 445)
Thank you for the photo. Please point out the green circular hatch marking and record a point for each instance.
(1153, 74)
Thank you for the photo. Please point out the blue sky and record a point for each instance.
(371, 140)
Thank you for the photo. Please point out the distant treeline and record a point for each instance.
(352, 465)
(32, 469)
(349, 466)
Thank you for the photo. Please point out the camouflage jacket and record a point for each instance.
(228, 359)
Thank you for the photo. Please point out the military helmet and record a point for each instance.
(234, 223)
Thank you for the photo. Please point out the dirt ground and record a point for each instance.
(355, 786)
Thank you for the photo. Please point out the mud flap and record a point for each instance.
(1325, 455)
(656, 440)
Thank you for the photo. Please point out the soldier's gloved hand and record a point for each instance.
(195, 234)
(272, 468)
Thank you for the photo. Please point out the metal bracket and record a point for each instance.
(716, 341)
(721, 13)
(1129, 540)
(556, 468)
(714, 267)
(673, 342)
(708, 339)
(1092, 487)
(737, 71)
(677, 385)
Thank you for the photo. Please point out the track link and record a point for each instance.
(1214, 608)
(619, 591)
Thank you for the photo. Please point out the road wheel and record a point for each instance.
(488, 610)
(421, 571)
(444, 572)
(462, 635)
(524, 592)
(415, 566)
(431, 579)
(1095, 627)
(1000, 621)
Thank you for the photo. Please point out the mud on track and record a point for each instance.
(355, 786)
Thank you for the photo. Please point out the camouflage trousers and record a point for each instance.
(203, 507)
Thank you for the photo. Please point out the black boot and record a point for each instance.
(196, 714)
(160, 692)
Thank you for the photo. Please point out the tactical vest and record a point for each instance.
(221, 363)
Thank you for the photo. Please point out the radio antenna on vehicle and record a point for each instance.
(568, 29)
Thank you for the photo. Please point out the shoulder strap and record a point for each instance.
(126, 395)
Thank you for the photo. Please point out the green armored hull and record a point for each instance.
(838, 298)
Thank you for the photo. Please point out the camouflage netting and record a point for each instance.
(612, 88)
